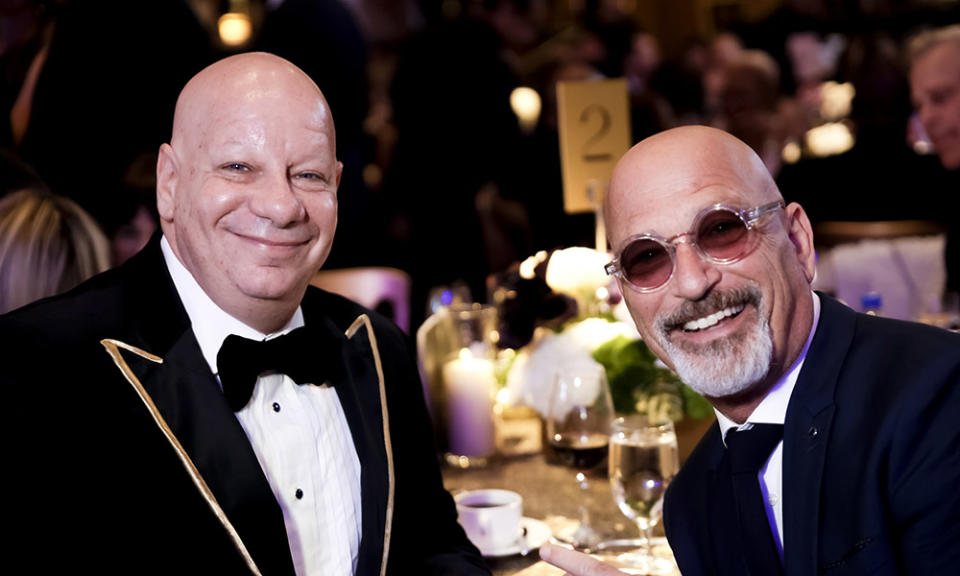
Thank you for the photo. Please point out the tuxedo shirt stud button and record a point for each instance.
(276, 407)
(812, 432)
(299, 494)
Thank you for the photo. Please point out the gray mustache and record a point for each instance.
(691, 310)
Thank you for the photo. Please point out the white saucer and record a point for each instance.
(535, 535)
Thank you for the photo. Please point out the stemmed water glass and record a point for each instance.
(578, 429)
(643, 461)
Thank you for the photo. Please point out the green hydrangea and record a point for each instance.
(638, 384)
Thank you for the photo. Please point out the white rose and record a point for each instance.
(577, 270)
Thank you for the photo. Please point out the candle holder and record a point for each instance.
(457, 351)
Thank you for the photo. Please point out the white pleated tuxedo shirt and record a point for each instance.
(300, 436)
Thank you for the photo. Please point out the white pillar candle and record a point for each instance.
(469, 384)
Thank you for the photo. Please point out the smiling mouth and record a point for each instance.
(274, 243)
(712, 319)
(717, 308)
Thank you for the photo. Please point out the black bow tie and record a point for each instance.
(303, 354)
(749, 449)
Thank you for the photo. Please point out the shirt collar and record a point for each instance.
(773, 408)
(210, 324)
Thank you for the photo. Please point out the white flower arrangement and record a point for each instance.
(531, 375)
(577, 271)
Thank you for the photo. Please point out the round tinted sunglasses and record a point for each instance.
(720, 234)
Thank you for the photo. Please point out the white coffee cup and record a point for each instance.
(491, 518)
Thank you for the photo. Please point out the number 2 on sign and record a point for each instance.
(594, 126)
(590, 152)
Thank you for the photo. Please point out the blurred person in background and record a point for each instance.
(25, 32)
(813, 59)
(456, 136)
(614, 30)
(48, 245)
(772, 32)
(721, 50)
(134, 218)
(851, 185)
(680, 80)
(104, 93)
(650, 111)
(750, 104)
(935, 84)
(934, 57)
(26, 27)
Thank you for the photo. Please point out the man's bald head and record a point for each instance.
(688, 158)
(935, 89)
(247, 187)
(239, 79)
(730, 327)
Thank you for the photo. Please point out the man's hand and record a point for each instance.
(575, 563)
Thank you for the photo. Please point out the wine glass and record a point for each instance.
(643, 461)
(578, 429)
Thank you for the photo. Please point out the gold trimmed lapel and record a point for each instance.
(363, 322)
(113, 348)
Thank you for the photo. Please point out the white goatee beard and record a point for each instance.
(727, 366)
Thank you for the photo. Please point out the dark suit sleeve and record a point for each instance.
(426, 538)
(924, 489)
(889, 494)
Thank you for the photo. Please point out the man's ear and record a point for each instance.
(339, 173)
(168, 170)
(801, 235)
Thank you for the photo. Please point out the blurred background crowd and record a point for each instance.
(443, 177)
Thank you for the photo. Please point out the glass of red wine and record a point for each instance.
(578, 429)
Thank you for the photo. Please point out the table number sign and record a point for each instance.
(594, 119)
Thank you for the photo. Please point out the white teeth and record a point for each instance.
(712, 319)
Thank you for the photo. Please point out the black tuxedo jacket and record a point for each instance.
(871, 459)
(123, 456)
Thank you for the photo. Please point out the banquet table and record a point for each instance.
(551, 494)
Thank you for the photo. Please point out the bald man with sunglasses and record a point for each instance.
(859, 468)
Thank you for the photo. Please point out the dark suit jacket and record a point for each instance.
(123, 456)
(871, 460)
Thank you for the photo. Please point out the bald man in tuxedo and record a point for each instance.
(201, 409)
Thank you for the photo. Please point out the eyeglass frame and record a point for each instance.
(749, 217)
